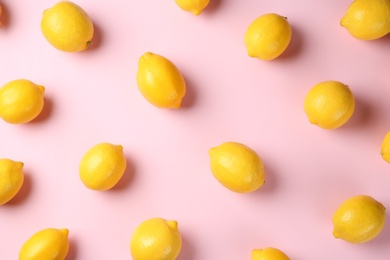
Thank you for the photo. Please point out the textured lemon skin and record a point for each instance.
(237, 167)
(156, 239)
(367, 19)
(11, 179)
(160, 81)
(47, 244)
(193, 6)
(21, 101)
(67, 27)
(102, 166)
(385, 149)
(269, 253)
(329, 104)
(268, 36)
(359, 219)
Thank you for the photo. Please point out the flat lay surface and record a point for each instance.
(92, 97)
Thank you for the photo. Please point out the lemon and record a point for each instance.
(269, 253)
(193, 6)
(47, 244)
(102, 166)
(11, 179)
(367, 19)
(329, 104)
(268, 36)
(237, 167)
(359, 219)
(21, 101)
(385, 150)
(159, 81)
(67, 27)
(156, 239)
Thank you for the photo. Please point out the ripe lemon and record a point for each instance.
(367, 19)
(329, 104)
(237, 167)
(159, 81)
(359, 219)
(21, 101)
(102, 166)
(156, 239)
(11, 179)
(49, 243)
(193, 6)
(385, 151)
(268, 36)
(67, 27)
(269, 253)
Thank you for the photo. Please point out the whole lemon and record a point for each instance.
(359, 219)
(156, 239)
(49, 243)
(102, 166)
(269, 253)
(21, 101)
(237, 167)
(367, 19)
(268, 36)
(329, 104)
(11, 179)
(159, 81)
(67, 27)
(385, 150)
(193, 6)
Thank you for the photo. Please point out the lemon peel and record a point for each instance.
(237, 167)
(156, 239)
(268, 36)
(49, 243)
(359, 219)
(21, 101)
(67, 27)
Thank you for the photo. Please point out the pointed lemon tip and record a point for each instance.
(343, 22)
(42, 89)
(256, 253)
(64, 231)
(173, 224)
(119, 147)
(196, 12)
(19, 165)
(212, 151)
(177, 104)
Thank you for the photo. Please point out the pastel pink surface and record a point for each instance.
(92, 97)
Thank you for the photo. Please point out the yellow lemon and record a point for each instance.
(159, 81)
(67, 27)
(156, 239)
(21, 101)
(268, 36)
(269, 253)
(237, 167)
(359, 219)
(385, 150)
(193, 6)
(102, 166)
(367, 19)
(329, 104)
(11, 179)
(47, 244)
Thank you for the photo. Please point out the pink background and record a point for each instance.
(92, 97)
